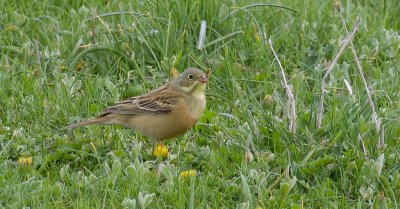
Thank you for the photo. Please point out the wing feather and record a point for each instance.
(161, 100)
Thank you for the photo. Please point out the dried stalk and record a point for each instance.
(329, 69)
(375, 119)
(291, 101)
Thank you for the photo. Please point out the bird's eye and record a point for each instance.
(190, 76)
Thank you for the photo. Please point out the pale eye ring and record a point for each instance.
(190, 76)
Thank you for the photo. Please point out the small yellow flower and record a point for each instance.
(259, 207)
(188, 173)
(25, 160)
(160, 150)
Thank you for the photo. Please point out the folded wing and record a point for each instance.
(161, 100)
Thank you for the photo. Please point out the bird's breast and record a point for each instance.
(197, 105)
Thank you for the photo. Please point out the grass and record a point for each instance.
(59, 64)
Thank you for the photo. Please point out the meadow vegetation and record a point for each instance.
(64, 61)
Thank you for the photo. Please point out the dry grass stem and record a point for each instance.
(329, 69)
(374, 117)
(291, 100)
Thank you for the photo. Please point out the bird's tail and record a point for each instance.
(98, 120)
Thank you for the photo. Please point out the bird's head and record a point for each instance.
(192, 80)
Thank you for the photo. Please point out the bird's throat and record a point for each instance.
(197, 102)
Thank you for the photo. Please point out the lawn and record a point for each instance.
(65, 61)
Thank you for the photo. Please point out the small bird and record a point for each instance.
(163, 113)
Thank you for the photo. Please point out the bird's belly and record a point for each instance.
(162, 126)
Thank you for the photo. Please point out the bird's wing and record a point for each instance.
(161, 100)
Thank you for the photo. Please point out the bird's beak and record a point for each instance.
(203, 79)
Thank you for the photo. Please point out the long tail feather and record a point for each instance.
(99, 120)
